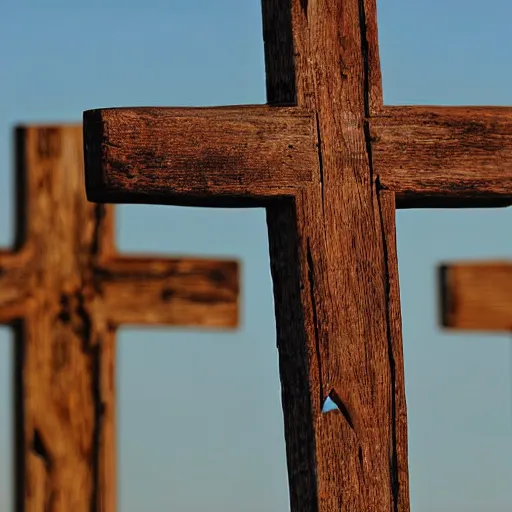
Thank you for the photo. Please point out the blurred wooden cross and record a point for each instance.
(476, 296)
(329, 162)
(66, 290)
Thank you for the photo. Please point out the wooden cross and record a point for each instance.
(66, 289)
(329, 162)
(476, 295)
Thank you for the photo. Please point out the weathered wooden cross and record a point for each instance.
(329, 162)
(476, 295)
(66, 289)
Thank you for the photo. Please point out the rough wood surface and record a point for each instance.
(340, 301)
(153, 291)
(65, 290)
(477, 295)
(233, 152)
(396, 357)
(332, 265)
(332, 241)
(427, 154)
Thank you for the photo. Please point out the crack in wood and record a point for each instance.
(320, 160)
(393, 469)
(364, 52)
(39, 449)
(311, 280)
(304, 7)
(342, 407)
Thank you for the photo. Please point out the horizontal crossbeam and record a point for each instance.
(252, 151)
(428, 156)
(477, 296)
(437, 155)
(139, 290)
(185, 292)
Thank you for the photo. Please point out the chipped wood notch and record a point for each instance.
(330, 163)
(65, 289)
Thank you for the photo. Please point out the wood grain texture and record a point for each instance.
(187, 292)
(190, 153)
(65, 290)
(332, 255)
(331, 230)
(387, 203)
(432, 156)
(336, 299)
(428, 156)
(476, 295)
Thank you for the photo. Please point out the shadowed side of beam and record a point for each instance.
(444, 156)
(186, 292)
(244, 153)
(476, 296)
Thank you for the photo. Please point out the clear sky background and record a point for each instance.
(200, 421)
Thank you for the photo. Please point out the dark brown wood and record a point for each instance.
(65, 290)
(339, 298)
(428, 156)
(396, 358)
(331, 235)
(156, 291)
(441, 154)
(236, 152)
(476, 295)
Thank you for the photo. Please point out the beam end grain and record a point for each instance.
(444, 156)
(242, 155)
(92, 139)
(476, 296)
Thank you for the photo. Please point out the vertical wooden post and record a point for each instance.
(329, 162)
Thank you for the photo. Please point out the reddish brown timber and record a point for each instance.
(238, 152)
(444, 154)
(65, 289)
(331, 228)
(428, 156)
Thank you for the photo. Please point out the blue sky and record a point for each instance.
(200, 423)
